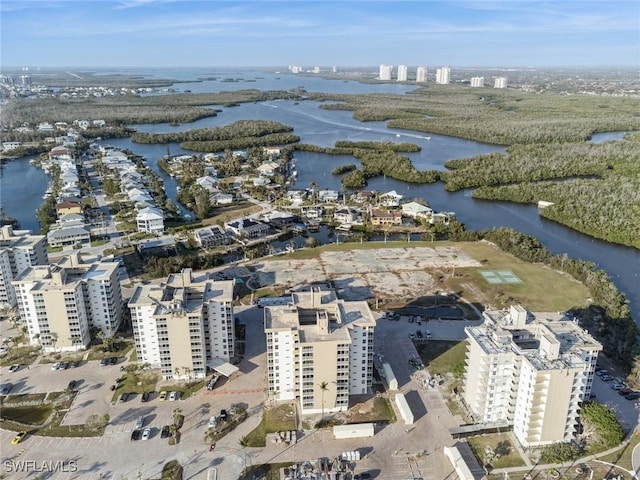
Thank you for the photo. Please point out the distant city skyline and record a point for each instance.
(175, 33)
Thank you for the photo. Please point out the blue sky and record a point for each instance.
(144, 33)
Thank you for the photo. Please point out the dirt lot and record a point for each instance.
(362, 274)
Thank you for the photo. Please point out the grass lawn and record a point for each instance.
(137, 382)
(224, 214)
(500, 443)
(121, 348)
(31, 414)
(186, 389)
(24, 397)
(22, 355)
(381, 411)
(543, 289)
(441, 356)
(267, 471)
(276, 419)
(623, 457)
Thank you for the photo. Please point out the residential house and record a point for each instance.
(150, 220)
(209, 183)
(7, 146)
(69, 235)
(347, 216)
(379, 216)
(247, 228)
(211, 236)
(416, 210)
(222, 198)
(268, 169)
(63, 208)
(328, 196)
(390, 199)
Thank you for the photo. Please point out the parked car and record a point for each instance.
(419, 334)
(223, 415)
(124, 397)
(74, 364)
(617, 386)
(410, 318)
(136, 434)
(632, 396)
(146, 434)
(624, 391)
(145, 396)
(14, 368)
(20, 436)
(602, 372)
(606, 378)
(163, 395)
(64, 366)
(6, 388)
(113, 360)
(104, 362)
(173, 396)
(140, 421)
(56, 366)
(412, 336)
(165, 432)
(212, 382)
(419, 320)
(71, 385)
(427, 333)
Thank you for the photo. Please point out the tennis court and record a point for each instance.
(498, 277)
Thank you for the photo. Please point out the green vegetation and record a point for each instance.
(275, 419)
(172, 471)
(559, 453)
(442, 356)
(135, 382)
(24, 397)
(130, 109)
(595, 188)
(30, 414)
(602, 430)
(241, 134)
(495, 451)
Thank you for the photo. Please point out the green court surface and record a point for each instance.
(497, 277)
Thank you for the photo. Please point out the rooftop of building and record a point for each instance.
(319, 315)
(549, 340)
(185, 292)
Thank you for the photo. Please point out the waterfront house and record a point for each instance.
(99, 123)
(58, 152)
(390, 199)
(364, 196)
(208, 182)
(268, 169)
(328, 196)
(247, 228)
(66, 236)
(347, 216)
(416, 210)
(272, 152)
(211, 236)
(441, 217)
(150, 220)
(63, 208)
(379, 216)
(297, 196)
(8, 146)
(71, 220)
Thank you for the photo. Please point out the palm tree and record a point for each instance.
(324, 386)
(177, 371)
(54, 340)
(176, 415)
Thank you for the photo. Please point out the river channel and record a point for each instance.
(22, 185)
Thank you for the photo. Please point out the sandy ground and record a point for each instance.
(362, 274)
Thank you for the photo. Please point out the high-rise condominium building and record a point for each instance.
(19, 250)
(402, 73)
(500, 82)
(477, 81)
(531, 371)
(319, 350)
(184, 325)
(421, 74)
(385, 72)
(443, 75)
(60, 303)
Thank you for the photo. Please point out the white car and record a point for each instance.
(56, 366)
(146, 434)
(173, 396)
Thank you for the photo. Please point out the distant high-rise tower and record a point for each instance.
(334, 69)
(421, 75)
(25, 79)
(477, 81)
(500, 82)
(402, 73)
(385, 72)
(443, 75)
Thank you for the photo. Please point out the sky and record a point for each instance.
(210, 33)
